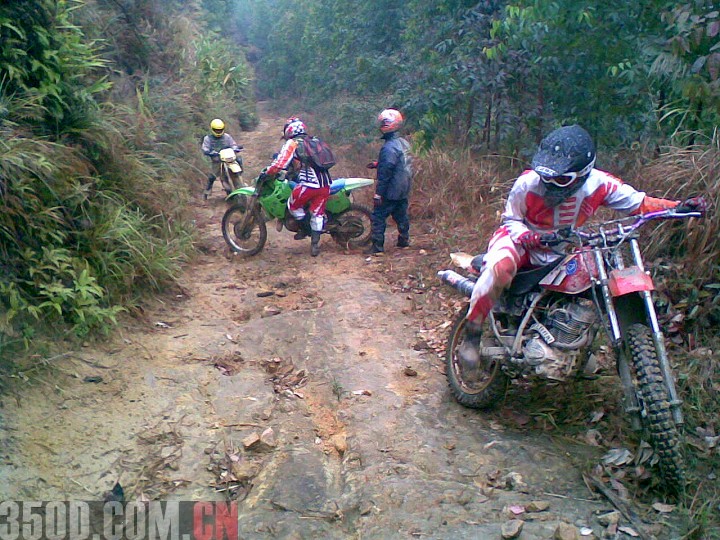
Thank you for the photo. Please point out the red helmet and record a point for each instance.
(293, 127)
(389, 120)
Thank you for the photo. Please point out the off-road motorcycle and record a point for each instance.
(544, 326)
(244, 225)
(230, 170)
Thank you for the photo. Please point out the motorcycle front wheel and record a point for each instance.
(655, 412)
(245, 236)
(353, 227)
(481, 388)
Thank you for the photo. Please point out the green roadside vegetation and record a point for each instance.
(102, 105)
(101, 110)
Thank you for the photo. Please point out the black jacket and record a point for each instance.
(394, 171)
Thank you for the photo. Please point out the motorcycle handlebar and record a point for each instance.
(619, 228)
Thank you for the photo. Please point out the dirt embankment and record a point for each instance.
(295, 385)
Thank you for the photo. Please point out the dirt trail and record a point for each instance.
(317, 350)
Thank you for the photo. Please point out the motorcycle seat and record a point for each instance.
(336, 185)
(527, 280)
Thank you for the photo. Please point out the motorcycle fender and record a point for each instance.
(227, 155)
(235, 167)
(355, 183)
(339, 202)
(245, 190)
(348, 184)
(629, 280)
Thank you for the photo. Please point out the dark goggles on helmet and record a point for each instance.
(563, 180)
(218, 132)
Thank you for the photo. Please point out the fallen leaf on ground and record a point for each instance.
(663, 508)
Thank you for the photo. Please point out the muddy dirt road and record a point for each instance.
(292, 384)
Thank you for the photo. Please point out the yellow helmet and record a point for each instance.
(218, 127)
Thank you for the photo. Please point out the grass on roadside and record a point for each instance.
(456, 204)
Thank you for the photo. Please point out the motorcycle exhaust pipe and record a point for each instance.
(460, 283)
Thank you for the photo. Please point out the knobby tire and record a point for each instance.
(358, 212)
(246, 241)
(656, 414)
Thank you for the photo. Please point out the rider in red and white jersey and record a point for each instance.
(561, 189)
(313, 185)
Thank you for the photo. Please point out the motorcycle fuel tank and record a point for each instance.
(573, 275)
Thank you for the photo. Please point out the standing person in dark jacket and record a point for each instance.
(394, 180)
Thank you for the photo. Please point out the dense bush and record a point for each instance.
(101, 105)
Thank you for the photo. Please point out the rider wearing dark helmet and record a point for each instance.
(563, 188)
(564, 161)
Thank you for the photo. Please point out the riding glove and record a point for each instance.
(529, 240)
(693, 204)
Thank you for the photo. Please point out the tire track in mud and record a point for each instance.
(314, 348)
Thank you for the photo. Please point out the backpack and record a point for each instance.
(316, 153)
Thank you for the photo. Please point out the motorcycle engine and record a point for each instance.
(291, 224)
(554, 351)
(569, 322)
(547, 361)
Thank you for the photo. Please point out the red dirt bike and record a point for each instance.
(545, 323)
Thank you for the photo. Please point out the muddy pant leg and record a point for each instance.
(316, 208)
(296, 202)
(501, 262)
(400, 216)
(296, 208)
(378, 220)
(211, 179)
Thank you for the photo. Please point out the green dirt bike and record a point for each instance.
(244, 224)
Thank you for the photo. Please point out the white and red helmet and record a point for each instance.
(389, 120)
(293, 127)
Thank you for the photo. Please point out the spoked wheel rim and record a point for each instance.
(485, 386)
(473, 381)
(353, 228)
(244, 236)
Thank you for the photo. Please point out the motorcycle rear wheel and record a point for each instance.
(353, 227)
(485, 392)
(232, 181)
(656, 415)
(248, 239)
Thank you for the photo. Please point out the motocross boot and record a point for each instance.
(304, 230)
(469, 354)
(315, 243)
(403, 242)
(208, 187)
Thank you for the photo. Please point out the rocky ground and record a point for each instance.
(308, 389)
